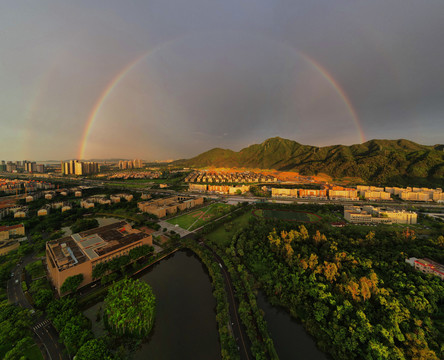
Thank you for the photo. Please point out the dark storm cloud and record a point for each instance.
(220, 74)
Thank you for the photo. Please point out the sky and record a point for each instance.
(169, 79)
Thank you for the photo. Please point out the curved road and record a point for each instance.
(44, 332)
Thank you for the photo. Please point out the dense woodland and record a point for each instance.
(352, 289)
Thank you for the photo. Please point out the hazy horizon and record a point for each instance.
(180, 158)
(170, 80)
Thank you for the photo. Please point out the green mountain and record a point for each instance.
(375, 160)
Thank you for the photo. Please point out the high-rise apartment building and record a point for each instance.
(76, 167)
(130, 164)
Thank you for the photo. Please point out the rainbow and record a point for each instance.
(338, 89)
(121, 75)
(101, 100)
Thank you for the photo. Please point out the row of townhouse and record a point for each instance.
(229, 177)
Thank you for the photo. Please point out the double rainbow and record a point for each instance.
(122, 73)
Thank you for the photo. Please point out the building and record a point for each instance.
(376, 195)
(86, 204)
(415, 196)
(66, 208)
(170, 205)
(343, 193)
(197, 187)
(362, 188)
(396, 190)
(8, 246)
(130, 164)
(76, 167)
(99, 199)
(20, 214)
(80, 253)
(44, 211)
(375, 215)
(428, 266)
(276, 192)
(127, 197)
(312, 193)
(114, 199)
(13, 230)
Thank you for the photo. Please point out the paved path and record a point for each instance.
(171, 227)
(236, 325)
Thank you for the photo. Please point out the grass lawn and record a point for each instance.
(34, 353)
(287, 215)
(224, 233)
(200, 217)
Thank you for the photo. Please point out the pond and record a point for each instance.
(290, 339)
(185, 326)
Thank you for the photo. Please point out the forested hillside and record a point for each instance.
(380, 161)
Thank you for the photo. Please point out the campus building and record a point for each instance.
(219, 189)
(375, 215)
(428, 266)
(311, 193)
(170, 205)
(376, 195)
(276, 192)
(362, 188)
(342, 193)
(80, 253)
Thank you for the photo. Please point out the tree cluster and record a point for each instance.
(129, 308)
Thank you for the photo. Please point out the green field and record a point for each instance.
(224, 233)
(287, 215)
(200, 217)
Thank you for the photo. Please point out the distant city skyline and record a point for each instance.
(169, 80)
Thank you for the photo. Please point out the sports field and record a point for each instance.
(200, 217)
(287, 215)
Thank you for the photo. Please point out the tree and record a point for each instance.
(71, 283)
(92, 350)
(129, 308)
(42, 298)
(84, 224)
(18, 351)
(99, 270)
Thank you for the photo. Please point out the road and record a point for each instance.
(236, 325)
(45, 334)
(14, 286)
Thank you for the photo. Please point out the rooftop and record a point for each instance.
(4, 228)
(88, 245)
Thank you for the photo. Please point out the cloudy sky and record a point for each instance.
(168, 79)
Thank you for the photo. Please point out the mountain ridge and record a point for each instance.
(373, 160)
